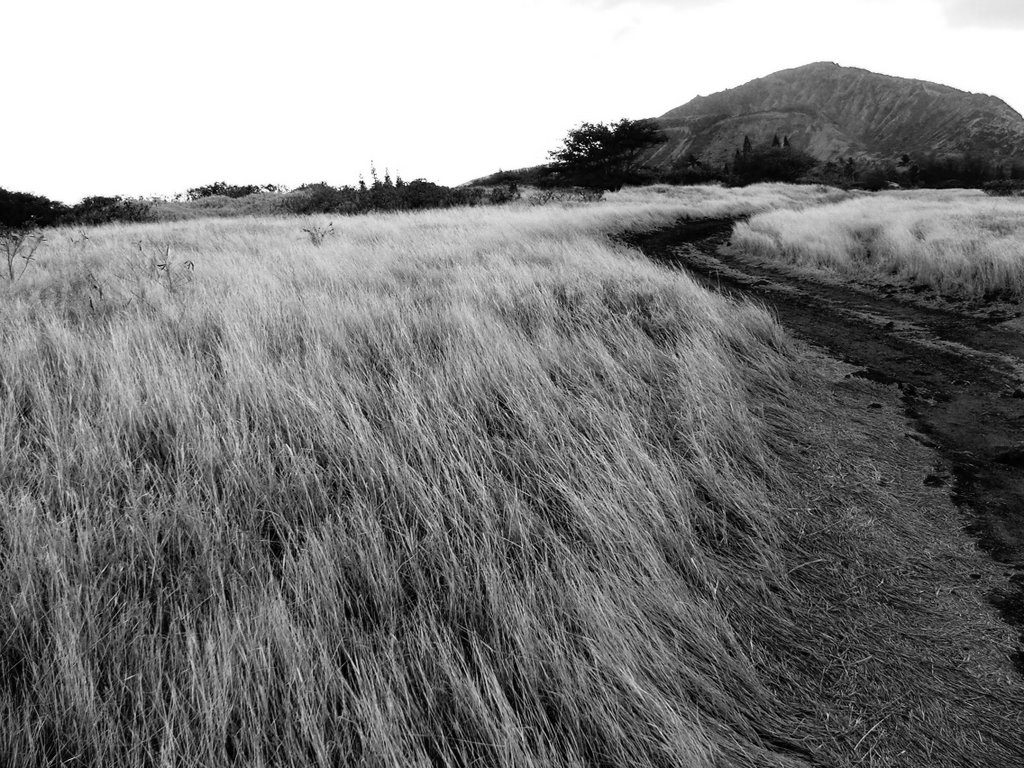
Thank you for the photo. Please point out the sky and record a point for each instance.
(122, 97)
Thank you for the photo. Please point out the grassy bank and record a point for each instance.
(452, 488)
(961, 244)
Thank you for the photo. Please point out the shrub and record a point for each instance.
(231, 190)
(18, 244)
(951, 171)
(105, 210)
(500, 195)
(421, 194)
(19, 210)
(382, 195)
(318, 234)
(769, 163)
(1005, 187)
(876, 179)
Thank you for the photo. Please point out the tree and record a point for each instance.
(747, 146)
(605, 156)
(775, 141)
(21, 210)
(770, 163)
(785, 142)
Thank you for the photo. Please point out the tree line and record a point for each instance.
(22, 210)
(608, 156)
(383, 194)
(19, 210)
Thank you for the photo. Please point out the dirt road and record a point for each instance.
(961, 378)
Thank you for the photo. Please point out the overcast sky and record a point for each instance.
(136, 98)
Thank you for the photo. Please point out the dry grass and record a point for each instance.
(463, 487)
(701, 200)
(960, 243)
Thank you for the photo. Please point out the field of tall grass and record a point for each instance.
(960, 243)
(703, 200)
(468, 487)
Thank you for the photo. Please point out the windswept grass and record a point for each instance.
(699, 201)
(459, 488)
(961, 244)
(709, 201)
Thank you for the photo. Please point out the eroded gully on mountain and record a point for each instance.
(961, 377)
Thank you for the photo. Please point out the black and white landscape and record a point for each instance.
(680, 436)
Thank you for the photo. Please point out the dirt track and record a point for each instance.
(961, 377)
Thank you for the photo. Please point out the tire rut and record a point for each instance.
(961, 377)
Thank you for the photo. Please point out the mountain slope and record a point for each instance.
(832, 111)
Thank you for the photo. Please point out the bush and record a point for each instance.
(383, 195)
(105, 210)
(876, 179)
(690, 170)
(18, 243)
(1005, 187)
(944, 172)
(231, 190)
(421, 194)
(21, 210)
(770, 163)
(321, 198)
(500, 195)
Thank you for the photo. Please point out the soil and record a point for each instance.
(960, 369)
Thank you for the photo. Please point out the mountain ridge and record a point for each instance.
(832, 111)
(829, 66)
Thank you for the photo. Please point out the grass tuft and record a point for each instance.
(961, 244)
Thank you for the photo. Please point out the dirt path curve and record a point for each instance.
(962, 378)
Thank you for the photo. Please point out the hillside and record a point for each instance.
(832, 111)
(464, 487)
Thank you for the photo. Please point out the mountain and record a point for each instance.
(831, 111)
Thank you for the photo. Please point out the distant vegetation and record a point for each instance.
(19, 210)
(1006, 187)
(923, 172)
(595, 156)
(607, 156)
(775, 161)
(962, 245)
(382, 194)
(223, 189)
(778, 160)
